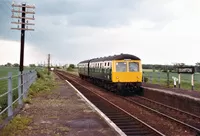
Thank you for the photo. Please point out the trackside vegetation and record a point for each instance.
(44, 83)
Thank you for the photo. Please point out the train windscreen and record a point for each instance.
(121, 67)
(133, 67)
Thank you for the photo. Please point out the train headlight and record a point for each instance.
(117, 77)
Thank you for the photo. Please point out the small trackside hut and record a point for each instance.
(119, 73)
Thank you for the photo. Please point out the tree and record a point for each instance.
(198, 64)
(197, 67)
(15, 65)
(32, 65)
(71, 66)
(8, 64)
(179, 65)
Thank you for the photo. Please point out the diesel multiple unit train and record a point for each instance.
(119, 73)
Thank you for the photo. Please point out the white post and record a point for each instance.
(175, 79)
(174, 83)
(192, 81)
(179, 80)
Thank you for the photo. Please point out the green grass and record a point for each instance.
(148, 70)
(4, 71)
(153, 77)
(4, 84)
(16, 126)
(71, 70)
(44, 84)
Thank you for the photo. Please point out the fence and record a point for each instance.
(13, 90)
(167, 78)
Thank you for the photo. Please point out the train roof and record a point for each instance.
(85, 61)
(114, 57)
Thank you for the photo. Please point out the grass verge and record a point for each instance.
(44, 84)
(16, 125)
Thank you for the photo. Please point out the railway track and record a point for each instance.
(183, 118)
(190, 121)
(128, 123)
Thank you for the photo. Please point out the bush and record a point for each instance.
(42, 73)
(70, 69)
(146, 79)
(72, 66)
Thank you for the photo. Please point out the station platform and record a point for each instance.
(186, 100)
(191, 94)
(64, 113)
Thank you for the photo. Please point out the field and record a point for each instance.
(4, 84)
(4, 71)
(161, 78)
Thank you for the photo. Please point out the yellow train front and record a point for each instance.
(119, 73)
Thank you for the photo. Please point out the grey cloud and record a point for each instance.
(67, 7)
(4, 15)
(5, 21)
(53, 36)
(103, 13)
(90, 12)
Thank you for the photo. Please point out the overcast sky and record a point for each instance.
(157, 31)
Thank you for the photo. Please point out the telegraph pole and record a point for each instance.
(24, 10)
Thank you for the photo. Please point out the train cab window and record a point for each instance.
(133, 67)
(121, 67)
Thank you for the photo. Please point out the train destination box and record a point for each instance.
(186, 70)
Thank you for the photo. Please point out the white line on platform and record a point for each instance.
(108, 121)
